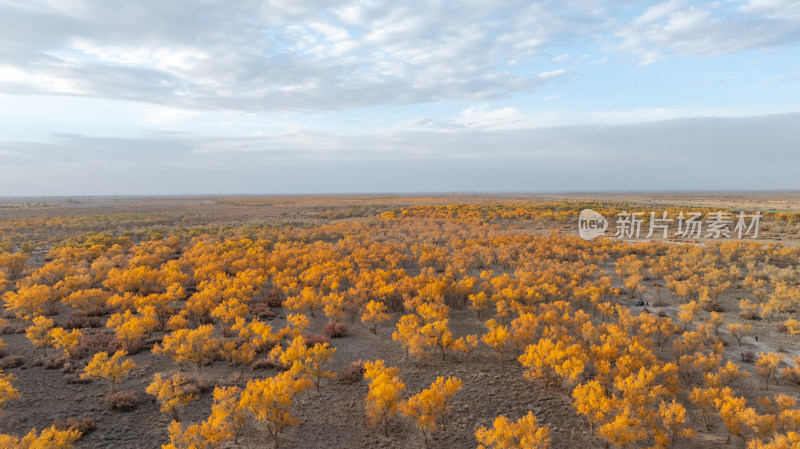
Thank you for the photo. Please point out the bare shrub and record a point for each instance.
(353, 373)
(122, 401)
(12, 361)
(84, 426)
(312, 340)
(268, 364)
(335, 329)
(262, 310)
(78, 321)
(91, 344)
(275, 298)
(713, 306)
(56, 362)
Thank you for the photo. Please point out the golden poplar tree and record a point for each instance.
(190, 345)
(430, 407)
(108, 369)
(269, 400)
(383, 398)
(375, 314)
(172, 393)
(522, 433)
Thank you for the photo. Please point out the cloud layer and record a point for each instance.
(318, 55)
(648, 156)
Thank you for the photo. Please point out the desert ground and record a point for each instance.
(264, 253)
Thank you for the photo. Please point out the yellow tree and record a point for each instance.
(50, 438)
(172, 393)
(592, 401)
(739, 331)
(109, 369)
(408, 334)
(29, 301)
(230, 309)
(190, 345)
(269, 401)
(437, 334)
(767, 367)
(39, 332)
(192, 438)
(731, 372)
(496, 337)
(89, 301)
(130, 328)
(673, 421)
(705, 399)
(625, 428)
(522, 433)
(229, 410)
(550, 360)
(375, 314)
(523, 331)
(224, 423)
(67, 341)
(7, 391)
(307, 361)
(429, 407)
(383, 398)
(308, 299)
(479, 303)
(238, 353)
(688, 313)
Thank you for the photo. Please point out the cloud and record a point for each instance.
(708, 30)
(275, 55)
(681, 154)
(320, 55)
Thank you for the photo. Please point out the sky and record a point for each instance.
(148, 97)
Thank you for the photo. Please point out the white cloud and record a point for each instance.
(660, 10)
(552, 74)
(709, 30)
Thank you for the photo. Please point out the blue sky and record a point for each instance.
(280, 96)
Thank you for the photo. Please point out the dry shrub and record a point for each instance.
(84, 426)
(660, 303)
(353, 373)
(782, 328)
(9, 329)
(268, 364)
(712, 306)
(312, 340)
(335, 329)
(122, 401)
(75, 379)
(12, 361)
(262, 310)
(91, 344)
(197, 385)
(748, 357)
(275, 298)
(78, 321)
(750, 315)
(56, 362)
(662, 313)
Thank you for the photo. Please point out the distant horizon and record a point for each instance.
(420, 193)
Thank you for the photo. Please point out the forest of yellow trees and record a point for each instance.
(399, 325)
